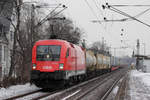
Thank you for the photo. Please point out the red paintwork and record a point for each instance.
(75, 61)
(114, 68)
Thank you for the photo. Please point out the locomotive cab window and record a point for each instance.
(67, 53)
(48, 53)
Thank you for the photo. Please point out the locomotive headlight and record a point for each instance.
(34, 66)
(61, 66)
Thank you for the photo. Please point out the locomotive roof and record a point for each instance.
(56, 41)
(51, 40)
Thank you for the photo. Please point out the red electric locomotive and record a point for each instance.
(55, 62)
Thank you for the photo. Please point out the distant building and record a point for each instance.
(146, 66)
(6, 36)
(143, 63)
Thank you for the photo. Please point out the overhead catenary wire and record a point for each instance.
(44, 19)
(136, 16)
(104, 27)
(125, 19)
(47, 17)
(128, 19)
(98, 7)
(130, 5)
(110, 35)
(95, 2)
(125, 14)
(92, 10)
(143, 12)
(99, 11)
(132, 17)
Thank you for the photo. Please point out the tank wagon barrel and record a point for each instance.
(90, 60)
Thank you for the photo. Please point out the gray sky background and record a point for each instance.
(82, 16)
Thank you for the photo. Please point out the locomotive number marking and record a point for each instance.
(47, 67)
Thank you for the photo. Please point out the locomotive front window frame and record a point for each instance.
(48, 52)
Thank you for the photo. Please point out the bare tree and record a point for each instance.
(10, 12)
(65, 30)
(26, 33)
(17, 6)
(9, 8)
(100, 47)
(26, 39)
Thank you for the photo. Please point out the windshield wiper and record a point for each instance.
(51, 54)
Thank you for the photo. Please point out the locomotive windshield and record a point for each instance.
(48, 53)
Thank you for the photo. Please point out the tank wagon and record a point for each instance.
(58, 62)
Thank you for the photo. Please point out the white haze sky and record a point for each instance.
(81, 14)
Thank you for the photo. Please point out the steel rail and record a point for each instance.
(87, 92)
(76, 86)
(103, 81)
(23, 95)
(111, 88)
(46, 95)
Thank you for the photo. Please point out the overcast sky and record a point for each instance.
(82, 15)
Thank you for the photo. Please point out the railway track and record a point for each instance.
(80, 91)
(90, 90)
(122, 88)
(111, 88)
(34, 95)
(46, 95)
(22, 95)
(76, 92)
(85, 91)
(73, 88)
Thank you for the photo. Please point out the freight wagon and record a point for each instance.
(58, 62)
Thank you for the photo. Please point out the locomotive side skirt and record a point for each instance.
(57, 75)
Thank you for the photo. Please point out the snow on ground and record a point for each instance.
(139, 85)
(115, 90)
(16, 90)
